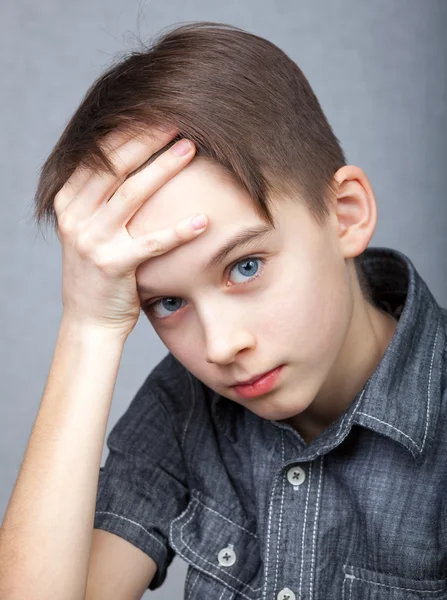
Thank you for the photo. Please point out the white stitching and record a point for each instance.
(280, 512)
(428, 405)
(304, 528)
(105, 512)
(192, 409)
(342, 421)
(350, 419)
(225, 518)
(314, 532)
(222, 594)
(209, 562)
(188, 577)
(429, 386)
(196, 573)
(330, 443)
(269, 528)
(393, 587)
(391, 427)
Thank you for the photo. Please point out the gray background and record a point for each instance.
(379, 69)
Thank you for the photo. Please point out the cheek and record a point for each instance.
(328, 317)
(311, 313)
(189, 354)
(177, 345)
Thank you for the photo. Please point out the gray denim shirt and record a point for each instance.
(359, 513)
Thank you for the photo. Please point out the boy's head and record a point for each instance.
(266, 156)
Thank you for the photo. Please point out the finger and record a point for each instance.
(81, 175)
(156, 243)
(125, 154)
(138, 188)
(125, 158)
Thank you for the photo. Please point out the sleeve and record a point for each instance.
(143, 485)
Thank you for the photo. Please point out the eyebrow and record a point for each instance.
(241, 239)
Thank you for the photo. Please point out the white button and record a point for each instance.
(286, 594)
(227, 556)
(296, 475)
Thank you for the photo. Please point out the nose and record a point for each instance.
(225, 339)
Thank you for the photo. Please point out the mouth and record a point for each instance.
(253, 379)
(259, 385)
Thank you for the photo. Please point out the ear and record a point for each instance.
(356, 210)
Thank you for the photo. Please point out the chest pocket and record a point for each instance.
(222, 550)
(363, 584)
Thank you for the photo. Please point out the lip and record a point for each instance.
(261, 385)
(253, 379)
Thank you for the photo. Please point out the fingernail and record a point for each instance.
(182, 147)
(198, 222)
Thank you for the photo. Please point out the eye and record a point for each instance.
(247, 270)
(248, 267)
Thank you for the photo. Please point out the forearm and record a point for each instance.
(46, 534)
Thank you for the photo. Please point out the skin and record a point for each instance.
(305, 310)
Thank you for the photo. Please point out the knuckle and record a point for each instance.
(181, 233)
(154, 246)
(184, 229)
(122, 169)
(84, 245)
(64, 193)
(65, 223)
(59, 201)
(123, 162)
(110, 141)
(102, 258)
(104, 261)
(61, 234)
(128, 195)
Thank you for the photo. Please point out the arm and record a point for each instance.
(46, 534)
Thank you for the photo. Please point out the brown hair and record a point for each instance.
(246, 105)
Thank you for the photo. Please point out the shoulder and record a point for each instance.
(176, 387)
(170, 402)
(170, 388)
(444, 358)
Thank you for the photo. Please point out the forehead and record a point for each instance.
(201, 186)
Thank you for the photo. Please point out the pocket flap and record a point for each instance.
(360, 582)
(219, 542)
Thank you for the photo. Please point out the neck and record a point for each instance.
(369, 335)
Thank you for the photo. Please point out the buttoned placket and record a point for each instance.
(298, 487)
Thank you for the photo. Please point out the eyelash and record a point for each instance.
(149, 307)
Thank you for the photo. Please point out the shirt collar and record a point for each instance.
(402, 398)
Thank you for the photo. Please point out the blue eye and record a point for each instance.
(246, 268)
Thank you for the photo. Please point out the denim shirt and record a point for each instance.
(359, 513)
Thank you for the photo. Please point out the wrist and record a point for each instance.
(91, 332)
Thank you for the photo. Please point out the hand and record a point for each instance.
(99, 257)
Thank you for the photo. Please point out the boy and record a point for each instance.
(292, 444)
